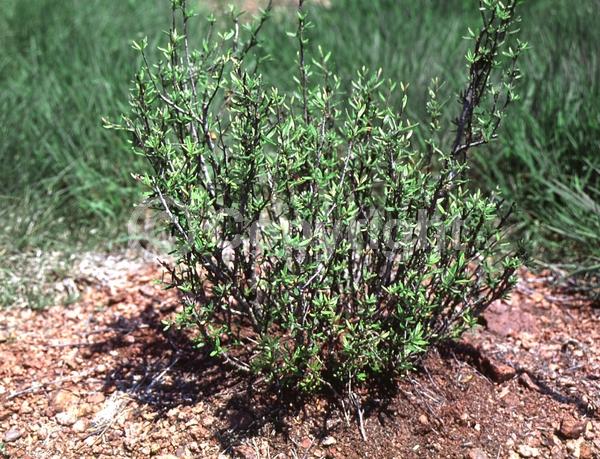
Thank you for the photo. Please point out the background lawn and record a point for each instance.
(66, 63)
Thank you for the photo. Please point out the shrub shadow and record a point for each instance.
(162, 369)
(472, 355)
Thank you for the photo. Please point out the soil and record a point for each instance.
(103, 378)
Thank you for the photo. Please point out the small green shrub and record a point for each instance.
(315, 242)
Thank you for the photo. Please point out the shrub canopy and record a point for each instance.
(316, 243)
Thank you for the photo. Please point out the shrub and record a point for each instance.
(315, 243)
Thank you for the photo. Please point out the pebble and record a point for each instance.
(147, 291)
(80, 426)
(477, 453)
(526, 381)
(589, 431)
(245, 452)
(498, 371)
(585, 452)
(66, 418)
(528, 451)
(63, 400)
(208, 421)
(12, 435)
(95, 398)
(571, 428)
(42, 432)
(101, 368)
(26, 408)
(574, 447)
(329, 441)
(117, 298)
(306, 443)
(198, 432)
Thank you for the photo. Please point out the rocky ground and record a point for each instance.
(102, 378)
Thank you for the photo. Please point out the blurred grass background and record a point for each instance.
(66, 63)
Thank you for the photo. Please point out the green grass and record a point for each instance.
(63, 65)
(66, 63)
(548, 160)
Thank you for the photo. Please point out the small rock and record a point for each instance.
(499, 372)
(129, 443)
(585, 452)
(589, 431)
(42, 433)
(63, 400)
(306, 443)
(329, 441)
(154, 448)
(12, 435)
(526, 381)
(148, 416)
(245, 452)
(574, 447)
(208, 421)
(71, 360)
(85, 409)
(147, 291)
(506, 319)
(117, 298)
(72, 314)
(571, 428)
(528, 451)
(504, 392)
(477, 453)
(198, 432)
(528, 340)
(423, 420)
(26, 407)
(65, 418)
(80, 426)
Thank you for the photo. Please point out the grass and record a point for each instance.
(66, 63)
(63, 65)
(549, 158)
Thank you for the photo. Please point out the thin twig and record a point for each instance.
(39, 386)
